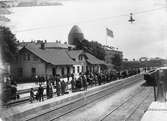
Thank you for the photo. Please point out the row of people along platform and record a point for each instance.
(47, 88)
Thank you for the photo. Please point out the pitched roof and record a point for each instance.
(75, 53)
(52, 56)
(93, 60)
(90, 58)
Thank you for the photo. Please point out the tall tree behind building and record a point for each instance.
(92, 47)
(98, 50)
(8, 44)
(117, 61)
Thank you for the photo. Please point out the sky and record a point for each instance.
(146, 37)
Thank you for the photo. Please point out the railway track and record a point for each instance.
(139, 98)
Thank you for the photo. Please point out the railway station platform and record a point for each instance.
(157, 111)
(58, 106)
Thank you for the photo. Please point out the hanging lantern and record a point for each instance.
(131, 20)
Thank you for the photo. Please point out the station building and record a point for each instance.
(34, 61)
(44, 58)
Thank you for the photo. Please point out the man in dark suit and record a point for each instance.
(40, 92)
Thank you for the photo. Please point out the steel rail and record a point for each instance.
(130, 97)
(137, 107)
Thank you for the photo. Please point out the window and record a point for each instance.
(62, 71)
(73, 69)
(24, 57)
(17, 58)
(78, 69)
(33, 70)
(80, 57)
(53, 71)
(28, 56)
(68, 70)
(20, 72)
(82, 69)
(87, 69)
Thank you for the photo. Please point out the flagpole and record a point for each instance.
(106, 35)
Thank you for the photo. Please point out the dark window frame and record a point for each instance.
(62, 71)
(78, 68)
(33, 71)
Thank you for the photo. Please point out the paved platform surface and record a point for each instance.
(156, 112)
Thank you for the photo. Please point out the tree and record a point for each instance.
(98, 50)
(8, 44)
(117, 61)
(92, 47)
(8, 51)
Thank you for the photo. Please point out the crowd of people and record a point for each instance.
(58, 86)
(52, 83)
(84, 81)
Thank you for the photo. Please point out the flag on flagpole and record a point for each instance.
(109, 32)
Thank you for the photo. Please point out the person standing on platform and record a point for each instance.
(72, 84)
(40, 92)
(63, 87)
(91, 79)
(48, 90)
(119, 75)
(102, 78)
(95, 79)
(79, 83)
(58, 86)
(99, 79)
(84, 79)
(31, 95)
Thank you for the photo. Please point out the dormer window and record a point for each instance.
(80, 57)
(24, 57)
(28, 56)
